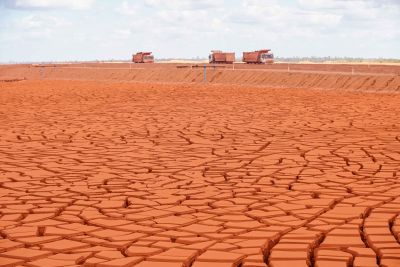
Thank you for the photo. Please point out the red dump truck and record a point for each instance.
(218, 56)
(143, 57)
(258, 57)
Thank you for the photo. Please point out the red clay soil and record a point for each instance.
(348, 68)
(382, 78)
(113, 174)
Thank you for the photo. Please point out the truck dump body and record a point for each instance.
(250, 57)
(143, 57)
(230, 57)
(258, 57)
(222, 57)
(219, 57)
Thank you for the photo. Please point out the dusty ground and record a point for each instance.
(116, 174)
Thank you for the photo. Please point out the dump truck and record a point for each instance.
(218, 56)
(143, 57)
(258, 57)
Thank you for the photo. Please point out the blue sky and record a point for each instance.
(58, 30)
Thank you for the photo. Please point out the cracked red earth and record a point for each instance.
(118, 174)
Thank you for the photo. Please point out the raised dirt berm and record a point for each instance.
(385, 78)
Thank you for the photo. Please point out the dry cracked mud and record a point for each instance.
(113, 174)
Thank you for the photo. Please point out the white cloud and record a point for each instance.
(50, 4)
(127, 8)
(122, 33)
(189, 28)
(35, 26)
(322, 19)
(41, 21)
(319, 16)
(344, 4)
(184, 4)
(327, 4)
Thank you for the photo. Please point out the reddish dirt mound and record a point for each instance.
(117, 174)
(346, 68)
(334, 77)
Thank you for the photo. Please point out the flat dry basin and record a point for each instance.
(118, 174)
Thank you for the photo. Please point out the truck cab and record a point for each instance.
(148, 58)
(267, 57)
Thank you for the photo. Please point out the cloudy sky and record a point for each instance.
(57, 30)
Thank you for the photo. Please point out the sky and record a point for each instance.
(69, 30)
